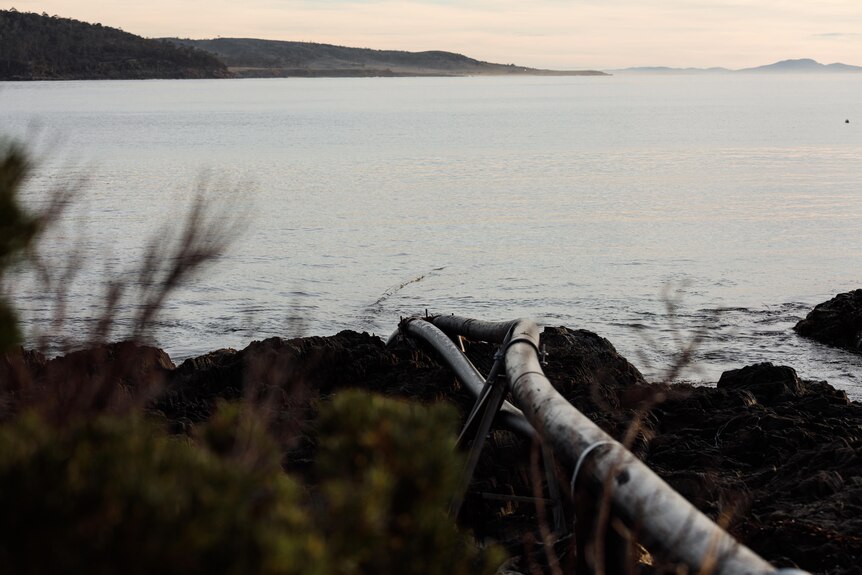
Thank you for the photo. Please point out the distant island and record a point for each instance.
(802, 65)
(42, 47)
(797, 66)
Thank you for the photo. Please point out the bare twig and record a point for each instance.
(168, 262)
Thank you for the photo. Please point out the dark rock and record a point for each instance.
(587, 358)
(763, 380)
(697, 487)
(777, 458)
(21, 364)
(109, 377)
(298, 367)
(587, 370)
(821, 484)
(837, 322)
(124, 363)
(193, 388)
(19, 368)
(786, 470)
(212, 360)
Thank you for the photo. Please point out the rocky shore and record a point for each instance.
(837, 322)
(776, 459)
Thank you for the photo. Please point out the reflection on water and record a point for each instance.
(577, 201)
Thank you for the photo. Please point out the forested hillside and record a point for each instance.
(42, 47)
(253, 57)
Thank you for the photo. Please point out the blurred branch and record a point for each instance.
(169, 260)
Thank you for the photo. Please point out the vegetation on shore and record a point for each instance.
(42, 47)
(93, 477)
(249, 57)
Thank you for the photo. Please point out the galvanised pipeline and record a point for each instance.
(666, 520)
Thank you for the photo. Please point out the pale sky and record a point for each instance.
(560, 34)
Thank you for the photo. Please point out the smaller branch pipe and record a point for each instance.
(491, 331)
(510, 416)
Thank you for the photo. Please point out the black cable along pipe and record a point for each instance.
(666, 520)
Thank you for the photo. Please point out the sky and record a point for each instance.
(558, 34)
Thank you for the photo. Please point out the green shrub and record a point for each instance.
(387, 472)
(93, 492)
(17, 230)
(119, 495)
(113, 495)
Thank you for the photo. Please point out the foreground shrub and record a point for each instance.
(97, 488)
(115, 495)
(388, 470)
(119, 495)
(17, 230)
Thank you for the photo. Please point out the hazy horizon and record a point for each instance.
(545, 34)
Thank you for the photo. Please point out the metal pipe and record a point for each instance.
(638, 495)
(665, 518)
(510, 416)
(491, 331)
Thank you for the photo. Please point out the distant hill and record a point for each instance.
(250, 57)
(42, 47)
(800, 66)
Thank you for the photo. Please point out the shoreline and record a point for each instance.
(784, 453)
(266, 74)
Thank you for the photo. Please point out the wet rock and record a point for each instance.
(821, 484)
(115, 376)
(293, 369)
(786, 470)
(587, 370)
(699, 488)
(587, 358)
(123, 363)
(778, 458)
(837, 322)
(764, 381)
(19, 364)
(193, 388)
(19, 368)
(213, 360)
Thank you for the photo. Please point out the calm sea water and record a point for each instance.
(585, 202)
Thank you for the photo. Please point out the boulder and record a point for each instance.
(19, 365)
(587, 358)
(125, 363)
(586, 368)
(108, 377)
(19, 368)
(763, 380)
(300, 368)
(837, 322)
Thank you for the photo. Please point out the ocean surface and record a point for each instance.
(655, 211)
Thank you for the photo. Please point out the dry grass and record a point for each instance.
(99, 376)
(604, 544)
